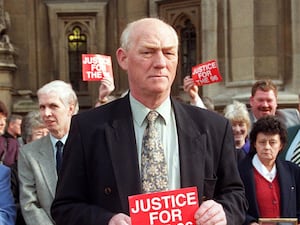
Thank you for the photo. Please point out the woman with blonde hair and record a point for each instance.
(238, 115)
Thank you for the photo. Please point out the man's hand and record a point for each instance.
(210, 213)
(120, 219)
(106, 87)
(191, 88)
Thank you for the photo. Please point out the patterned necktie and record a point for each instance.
(154, 168)
(296, 155)
(59, 147)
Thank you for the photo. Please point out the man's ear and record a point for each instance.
(121, 55)
(71, 109)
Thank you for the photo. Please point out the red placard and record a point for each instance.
(95, 67)
(206, 73)
(175, 207)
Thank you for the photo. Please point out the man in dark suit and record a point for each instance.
(104, 146)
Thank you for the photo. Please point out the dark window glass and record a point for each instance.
(77, 45)
(188, 48)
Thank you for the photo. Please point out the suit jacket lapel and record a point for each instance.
(249, 180)
(192, 162)
(46, 162)
(121, 142)
(285, 193)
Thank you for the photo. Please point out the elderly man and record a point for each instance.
(39, 161)
(109, 158)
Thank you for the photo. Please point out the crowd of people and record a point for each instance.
(62, 167)
(267, 142)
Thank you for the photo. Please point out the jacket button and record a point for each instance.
(107, 190)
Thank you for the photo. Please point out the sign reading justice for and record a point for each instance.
(206, 73)
(175, 207)
(95, 67)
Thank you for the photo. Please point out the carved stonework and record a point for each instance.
(24, 102)
(7, 64)
(4, 27)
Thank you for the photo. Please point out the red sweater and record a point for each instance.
(268, 196)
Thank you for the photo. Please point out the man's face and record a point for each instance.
(263, 103)
(151, 60)
(55, 114)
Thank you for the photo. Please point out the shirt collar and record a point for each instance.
(139, 111)
(268, 175)
(54, 140)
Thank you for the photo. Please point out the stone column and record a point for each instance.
(7, 68)
(295, 6)
(7, 65)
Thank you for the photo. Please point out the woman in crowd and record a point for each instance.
(33, 127)
(238, 115)
(272, 186)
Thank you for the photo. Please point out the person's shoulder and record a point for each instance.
(36, 144)
(4, 170)
(113, 109)
(245, 161)
(288, 165)
(293, 128)
(7, 135)
(199, 115)
(193, 108)
(287, 112)
(289, 116)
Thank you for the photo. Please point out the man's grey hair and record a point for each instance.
(64, 91)
(125, 40)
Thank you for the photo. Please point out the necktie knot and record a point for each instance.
(59, 145)
(152, 116)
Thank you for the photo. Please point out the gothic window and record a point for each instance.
(77, 45)
(188, 48)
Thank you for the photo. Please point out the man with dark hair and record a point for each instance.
(13, 128)
(9, 145)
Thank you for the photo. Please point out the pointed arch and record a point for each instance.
(77, 43)
(185, 17)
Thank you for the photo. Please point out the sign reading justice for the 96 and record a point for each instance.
(206, 73)
(95, 67)
(175, 207)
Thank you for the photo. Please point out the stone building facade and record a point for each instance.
(251, 39)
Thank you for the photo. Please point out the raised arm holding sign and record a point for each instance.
(202, 74)
(96, 67)
(206, 73)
